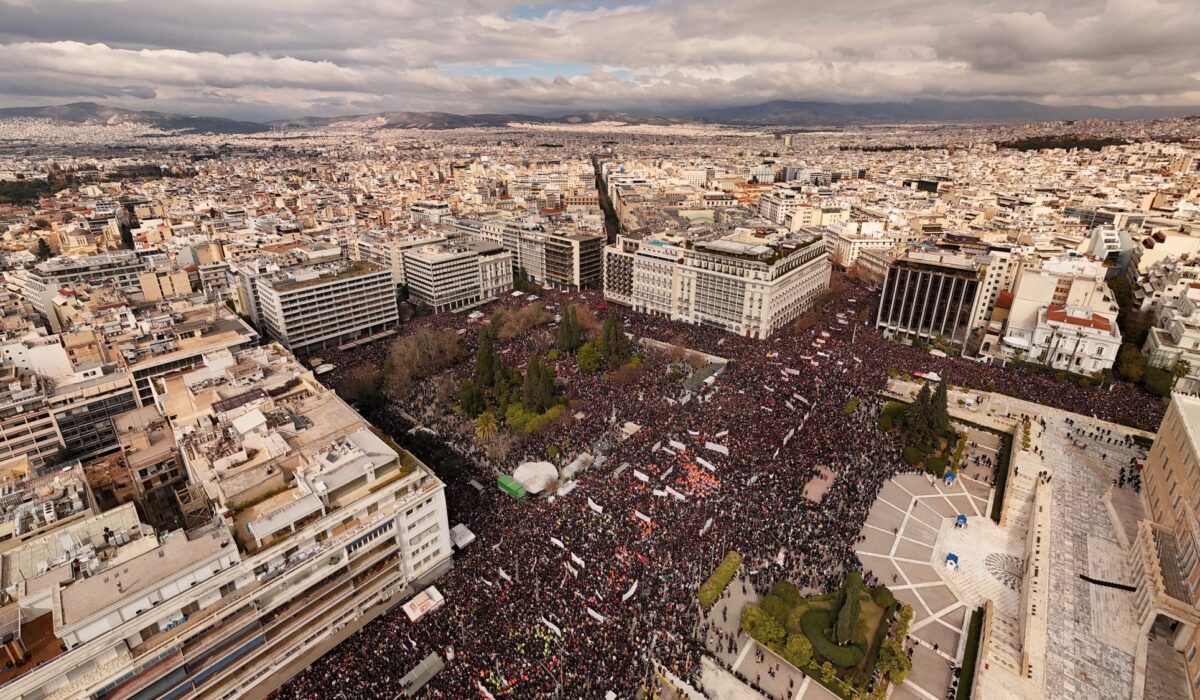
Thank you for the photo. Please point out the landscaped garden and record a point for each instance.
(930, 439)
(840, 639)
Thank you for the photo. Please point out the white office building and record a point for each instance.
(311, 307)
(740, 283)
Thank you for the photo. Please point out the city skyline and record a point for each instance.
(272, 60)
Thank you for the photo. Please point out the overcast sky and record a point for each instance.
(263, 59)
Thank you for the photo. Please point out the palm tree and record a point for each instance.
(1182, 368)
(486, 426)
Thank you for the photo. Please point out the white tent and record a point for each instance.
(534, 476)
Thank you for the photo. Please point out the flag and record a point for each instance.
(595, 506)
(557, 542)
(505, 576)
(484, 691)
(552, 626)
(577, 560)
(629, 593)
(707, 525)
(596, 615)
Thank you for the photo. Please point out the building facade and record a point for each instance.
(308, 308)
(740, 283)
(927, 296)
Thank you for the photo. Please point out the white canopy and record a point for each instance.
(534, 476)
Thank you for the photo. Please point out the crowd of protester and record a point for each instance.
(576, 595)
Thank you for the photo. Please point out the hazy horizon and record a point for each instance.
(271, 60)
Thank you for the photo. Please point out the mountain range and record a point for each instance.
(780, 113)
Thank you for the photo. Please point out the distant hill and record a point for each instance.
(779, 113)
(96, 114)
(445, 120)
(790, 113)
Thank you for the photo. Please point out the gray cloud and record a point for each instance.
(272, 58)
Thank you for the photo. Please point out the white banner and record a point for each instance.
(723, 433)
(597, 615)
(505, 576)
(571, 570)
(707, 525)
(485, 692)
(667, 472)
(788, 436)
(557, 543)
(577, 560)
(629, 593)
(678, 445)
(642, 515)
(662, 494)
(676, 494)
(595, 506)
(657, 446)
(717, 448)
(553, 627)
(705, 463)
(640, 476)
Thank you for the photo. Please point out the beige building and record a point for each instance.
(1164, 556)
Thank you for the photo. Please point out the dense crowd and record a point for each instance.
(575, 596)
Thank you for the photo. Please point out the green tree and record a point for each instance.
(537, 393)
(1159, 381)
(1182, 368)
(776, 608)
(919, 426)
(798, 650)
(471, 399)
(588, 358)
(486, 426)
(847, 618)
(1131, 363)
(43, 251)
(486, 360)
(613, 345)
(41, 223)
(940, 409)
(569, 335)
(893, 662)
(828, 673)
(761, 626)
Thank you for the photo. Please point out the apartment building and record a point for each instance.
(455, 277)
(301, 526)
(387, 248)
(41, 283)
(740, 282)
(562, 261)
(26, 428)
(1174, 339)
(310, 307)
(175, 339)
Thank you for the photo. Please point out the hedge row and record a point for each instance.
(813, 623)
(712, 588)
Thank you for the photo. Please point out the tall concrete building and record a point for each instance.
(740, 283)
(301, 525)
(450, 278)
(1166, 551)
(927, 296)
(307, 308)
